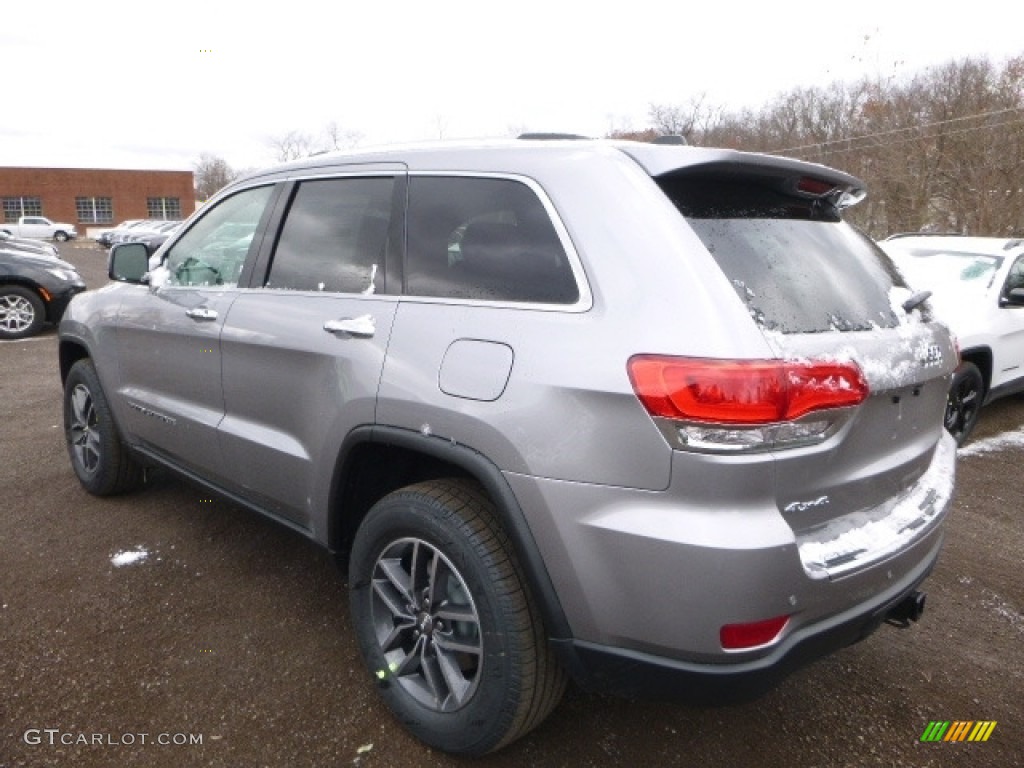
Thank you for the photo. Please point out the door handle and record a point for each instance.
(202, 313)
(363, 325)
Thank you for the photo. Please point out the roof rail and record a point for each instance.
(548, 136)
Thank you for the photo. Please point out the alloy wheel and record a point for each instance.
(16, 313)
(427, 625)
(85, 439)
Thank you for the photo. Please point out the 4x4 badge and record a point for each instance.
(801, 506)
(930, 355)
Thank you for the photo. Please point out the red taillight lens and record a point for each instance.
(738, 637)
(742, 391)
(814, 186)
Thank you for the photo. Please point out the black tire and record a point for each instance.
(103, 464)
(22, 312)
(963, 404)
(60, 236)
(468, 671)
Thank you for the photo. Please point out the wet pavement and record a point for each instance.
(169, 628)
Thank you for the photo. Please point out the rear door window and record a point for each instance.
(484, 239)
(798, 267)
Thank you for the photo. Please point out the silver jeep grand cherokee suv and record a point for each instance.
(651, 417)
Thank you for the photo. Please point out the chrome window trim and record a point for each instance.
(584, 303)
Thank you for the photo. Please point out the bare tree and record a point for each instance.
(291, 146)
(441, 123)
(337, 137)
(942, 150)
(211, 173)
(647, 134)
(295, 145)
(692, 120)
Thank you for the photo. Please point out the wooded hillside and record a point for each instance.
(941, 151)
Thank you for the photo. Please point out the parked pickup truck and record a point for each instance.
(41, 228)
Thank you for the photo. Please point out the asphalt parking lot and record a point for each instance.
(168, 628)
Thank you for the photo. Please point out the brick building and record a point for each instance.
(94, 199)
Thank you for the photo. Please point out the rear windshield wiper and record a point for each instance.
(916, 300)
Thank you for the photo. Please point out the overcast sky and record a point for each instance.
(116, 84)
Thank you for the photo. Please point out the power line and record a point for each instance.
(893, 131)
(846, 150)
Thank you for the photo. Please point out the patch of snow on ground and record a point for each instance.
(1000, 442)
(1001, 608)
(129, 557)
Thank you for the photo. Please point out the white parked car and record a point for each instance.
(105, 237)
(40, 228)
(977, 286)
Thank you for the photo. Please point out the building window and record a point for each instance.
(16, 207)
(94, 210)
(163, 207)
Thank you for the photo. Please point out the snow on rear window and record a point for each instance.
(791, 259)
(803, 276)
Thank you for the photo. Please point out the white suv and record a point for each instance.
(977, 286)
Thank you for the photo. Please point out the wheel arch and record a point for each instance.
(981, 357)
(21, 282)
(376, 460)
(70, 352)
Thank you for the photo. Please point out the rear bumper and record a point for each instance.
(633, 674)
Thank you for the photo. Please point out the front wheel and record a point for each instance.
(444, 621)
(963, 403)
(60, 236)
(103, 464)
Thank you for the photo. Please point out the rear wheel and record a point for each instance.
(21, 312)
(444, 621)
(103, 465)
(963, 404)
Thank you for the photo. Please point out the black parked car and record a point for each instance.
(33, 289)
(9, 241)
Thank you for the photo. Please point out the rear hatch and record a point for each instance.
(862, 476)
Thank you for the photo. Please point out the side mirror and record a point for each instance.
(129, 263)
(1015, 298)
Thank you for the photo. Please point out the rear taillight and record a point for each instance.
(955, 340)
(745, 404)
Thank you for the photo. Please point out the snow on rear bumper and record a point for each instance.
(857, 540)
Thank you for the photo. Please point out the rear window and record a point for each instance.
(798, 267)
(484, 239)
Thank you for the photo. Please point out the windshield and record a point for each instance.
(940, 269)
